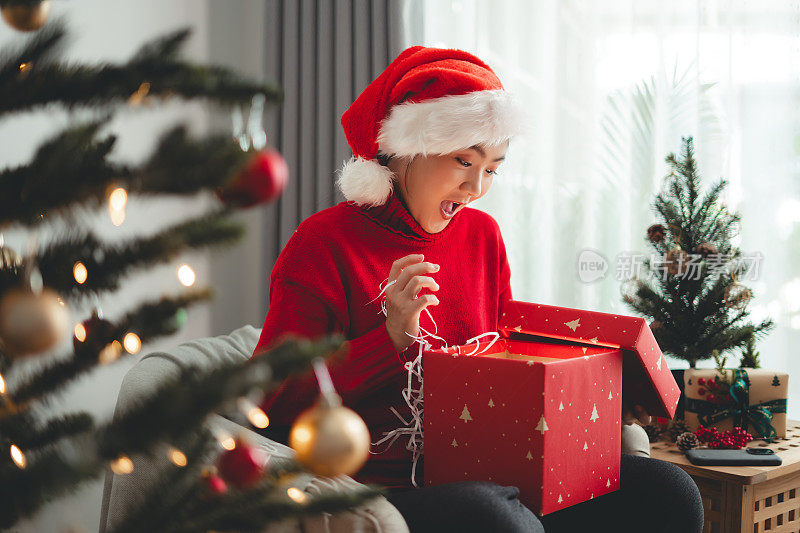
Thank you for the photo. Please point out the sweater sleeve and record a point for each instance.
(370, 361)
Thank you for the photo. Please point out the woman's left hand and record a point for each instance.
(639, 412)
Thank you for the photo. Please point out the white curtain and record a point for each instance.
(611, 87)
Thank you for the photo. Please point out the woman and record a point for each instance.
(428, 136)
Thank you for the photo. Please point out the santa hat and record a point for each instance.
(428, 101)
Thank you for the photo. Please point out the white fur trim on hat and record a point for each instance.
(450, 123)
(365, 181)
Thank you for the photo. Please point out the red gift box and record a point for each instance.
(541, 408)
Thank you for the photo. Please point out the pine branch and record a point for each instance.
(46, 82)
(47, 475)
(174, 490)
(179, 165)
(54, 429)
(183, 403)
(42, 47)
(106, 264)
(173, 413)
(149, 321)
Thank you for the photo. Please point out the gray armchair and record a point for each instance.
(120, 492)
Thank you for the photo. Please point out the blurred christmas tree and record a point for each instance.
(47, 456)
(696, 303)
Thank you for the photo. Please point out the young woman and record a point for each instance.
(428, 137)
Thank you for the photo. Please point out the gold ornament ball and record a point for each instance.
(26, 17)
(737, 296)
(330, 440)
(31, 323)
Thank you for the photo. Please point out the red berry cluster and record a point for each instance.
(734, 439)
(713, 387)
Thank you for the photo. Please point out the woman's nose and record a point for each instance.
(472, 184)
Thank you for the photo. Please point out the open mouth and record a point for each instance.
(449, 209)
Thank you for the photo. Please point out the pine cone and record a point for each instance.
(653, 432)
(677, 427)
(687, 441)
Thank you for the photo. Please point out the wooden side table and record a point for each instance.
(747, 499)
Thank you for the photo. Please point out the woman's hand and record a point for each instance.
(639, 413)
(403, 307)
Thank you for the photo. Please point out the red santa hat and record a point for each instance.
(428, 101)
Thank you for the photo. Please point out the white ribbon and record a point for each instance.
(413, 428)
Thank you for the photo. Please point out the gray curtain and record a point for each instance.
(323, 53)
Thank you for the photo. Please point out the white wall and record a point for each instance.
(112, 31)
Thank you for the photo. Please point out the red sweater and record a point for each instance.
(333, 265)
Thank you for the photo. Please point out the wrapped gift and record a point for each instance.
(540, 408)
(755, 400)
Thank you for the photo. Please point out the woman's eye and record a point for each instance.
(464, 163)
(492, 172)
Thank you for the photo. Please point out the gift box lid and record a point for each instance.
(646, 379)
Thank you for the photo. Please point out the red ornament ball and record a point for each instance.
(710, 397)
(712, 384)
(216, 485)
(701, 391)
(242, 466)
(701, 381)
(261, 180)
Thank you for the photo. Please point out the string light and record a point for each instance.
(80, 332)
(122, 465)
(132, 343)
(186, 275)
(296, 494)
(117, 201)
(2, 385)
(254, 414)
(137, 97)
(80, 272)
(110, 353)
(25, 67)
(226, 441)
(18, 457)
(177, 457)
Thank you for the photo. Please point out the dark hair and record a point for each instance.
(383, 159)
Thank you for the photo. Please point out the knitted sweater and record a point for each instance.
(325, 281)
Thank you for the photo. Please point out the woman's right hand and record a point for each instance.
(403, 307)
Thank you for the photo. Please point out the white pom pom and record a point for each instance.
(365, 181)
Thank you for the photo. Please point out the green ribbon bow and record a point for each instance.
(759, 416)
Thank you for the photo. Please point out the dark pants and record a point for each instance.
(654, 496)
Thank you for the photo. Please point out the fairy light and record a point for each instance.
(80, 272)
(122, 465)
(301, 434)
(296, 494)
(226, 441)
(117, 201)
(2, 385)
(254, 414)
(177, 457)
(61, 302)
(137, 97)
(132, 343)
(25, 67)
(18, 457)
(110, 353)
(80, 332)
(186, 275)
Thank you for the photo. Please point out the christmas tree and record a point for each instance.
(42, 456)
(693, 295)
